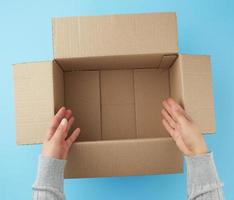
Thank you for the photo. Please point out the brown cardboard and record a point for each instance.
(129, 34)
(124, 158)
(114, 62)
(58, 86)
(151, 87)
(113, 72)
(118, 110)
(82, 96)
(34, 104)
(196, 74)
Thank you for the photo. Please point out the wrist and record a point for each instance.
(54, 151)
(202, 149)
(53, 155)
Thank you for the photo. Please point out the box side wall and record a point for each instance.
(34, 103)
(127, 34)
(151, 87)
(111, 62)
(137, 61)
(124, 158)
(118, 104)
(82, 96)
(58, 86)
(176, 82)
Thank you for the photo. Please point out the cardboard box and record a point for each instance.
(113, 72)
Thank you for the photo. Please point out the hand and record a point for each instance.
(182, 129)
(56, 144)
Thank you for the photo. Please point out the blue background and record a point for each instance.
(205, 27)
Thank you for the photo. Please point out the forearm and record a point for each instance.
(202, 178)
(50, 178)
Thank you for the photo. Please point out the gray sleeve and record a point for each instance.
(50, 178)
(202, 178)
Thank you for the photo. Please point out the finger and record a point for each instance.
(175, 106)
(169, 119)
(179, 116)
(70, 122)
(169, 129)
(68, 114)
(61, 130)
(167, 107)
(55, 122)
(173, 103)
(172, 130)
(73, 137)
(174, 110)
(176, 137)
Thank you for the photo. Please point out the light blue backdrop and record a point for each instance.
(205, 27)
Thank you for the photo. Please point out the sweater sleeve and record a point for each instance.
(202, 178)
(50, 178)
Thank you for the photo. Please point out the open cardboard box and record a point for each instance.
(113, 72)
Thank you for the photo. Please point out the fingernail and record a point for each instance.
(64, 121)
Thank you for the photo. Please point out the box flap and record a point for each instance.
(35, 99)
(123, 158)
(128, 34)
(191, 85)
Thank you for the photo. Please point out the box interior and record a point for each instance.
(117, 102)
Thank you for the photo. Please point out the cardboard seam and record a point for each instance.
(157, 67)
(125, 140)
(100, 103)
(134, 101)
(164, 55)
(172, 63)
(58, 64)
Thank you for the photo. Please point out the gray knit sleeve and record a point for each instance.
(50, 178)
(202, 178)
